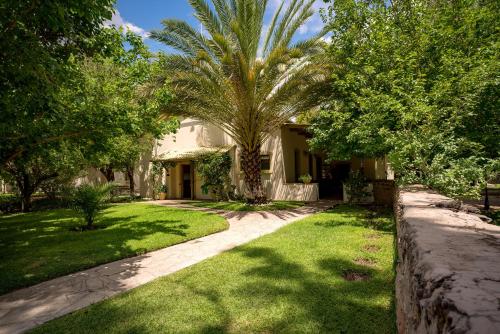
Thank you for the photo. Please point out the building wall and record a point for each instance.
(279, 182)
(191, 134)
(294, 145)
(194, 133)
(374, 169)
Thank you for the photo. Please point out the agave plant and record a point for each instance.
(241, 77)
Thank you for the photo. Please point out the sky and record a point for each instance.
(142, 16)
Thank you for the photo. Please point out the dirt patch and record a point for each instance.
(363, 261)
(354, 275)
(371, 248)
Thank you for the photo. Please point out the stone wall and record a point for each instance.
(383, 192)
(448, 271)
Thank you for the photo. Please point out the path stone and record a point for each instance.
(27, 308)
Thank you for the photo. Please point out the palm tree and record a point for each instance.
(243, 78)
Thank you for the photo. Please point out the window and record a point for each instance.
(296, 156)
(265, 162)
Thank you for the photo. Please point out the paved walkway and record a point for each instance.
(27, 308)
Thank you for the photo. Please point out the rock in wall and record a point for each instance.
(448, 271)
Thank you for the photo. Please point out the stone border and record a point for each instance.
(448, 271)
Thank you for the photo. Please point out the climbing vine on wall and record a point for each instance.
(214, 170)
(158, 168)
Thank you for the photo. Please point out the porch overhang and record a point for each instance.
(190, 153)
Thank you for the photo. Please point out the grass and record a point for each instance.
(290, 281)
(41, 245)
(242, 206)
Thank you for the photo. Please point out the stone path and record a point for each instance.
(27, 308)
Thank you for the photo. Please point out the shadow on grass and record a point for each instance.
(275, 295)
(253, 289)
(342, 307)
(43, 245)
(345, 215)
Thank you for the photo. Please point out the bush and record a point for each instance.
(9, 203)
(356, 187)
(214, 170)
(126, 199)
(89, 200)
(306, 178)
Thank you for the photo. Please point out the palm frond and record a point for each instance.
(246, 82)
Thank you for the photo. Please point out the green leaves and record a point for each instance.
(89, 200)
(222, 77)
(418, 81)
(214, 170)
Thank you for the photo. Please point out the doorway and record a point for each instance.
(186, 181)
(331, 179)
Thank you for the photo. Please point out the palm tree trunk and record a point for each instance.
(250, 164)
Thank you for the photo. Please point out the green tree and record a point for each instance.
(29, 172)
(417, 81)
(241, 77)
(118, 82)
(98, 103)
(39, 41)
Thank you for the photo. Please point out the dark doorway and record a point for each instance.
(340, 173)
(331, 179)
(186, 181)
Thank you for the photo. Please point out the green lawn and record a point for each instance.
(41, 245)
(290, 281)
(242, 206)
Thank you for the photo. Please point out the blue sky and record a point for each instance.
(142, 16)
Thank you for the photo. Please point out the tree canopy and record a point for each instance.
(40, 40)
(70, 87)
(417, 81)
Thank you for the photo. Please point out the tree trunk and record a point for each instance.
(26, 188)
(130, 174)
(26, 202)
(250, 164)
(486, 199)
(108, 173)
(90, 221)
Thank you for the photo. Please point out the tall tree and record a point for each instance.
(241, 77)
(97, 103)
(117, 83)
(417, 81)
(34, 169)
(39, 40)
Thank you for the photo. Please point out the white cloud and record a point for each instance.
(118, 21)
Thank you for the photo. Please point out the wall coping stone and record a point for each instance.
(448, 271)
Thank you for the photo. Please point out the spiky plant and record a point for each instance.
(241, 78)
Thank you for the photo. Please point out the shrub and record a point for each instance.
(89, 200)
(214, 170)
(306, 178)
(9, 203)
(356, 187)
